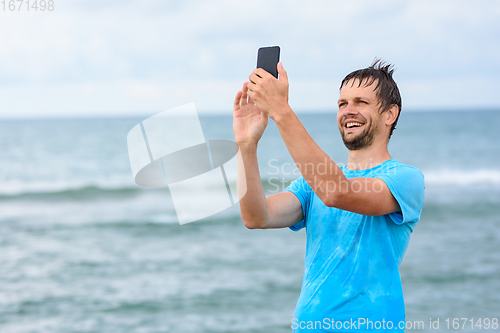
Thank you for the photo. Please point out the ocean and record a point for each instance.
(85, 249)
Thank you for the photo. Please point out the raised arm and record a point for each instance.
(277, 211)
(367, 196)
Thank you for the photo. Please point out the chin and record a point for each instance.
(361, 141)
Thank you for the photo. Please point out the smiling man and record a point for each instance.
(358, 218)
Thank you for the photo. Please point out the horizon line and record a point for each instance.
(211, 113)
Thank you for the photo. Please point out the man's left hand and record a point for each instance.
(268, 93)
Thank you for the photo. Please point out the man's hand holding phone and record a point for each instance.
(268, 93)
(265, 95)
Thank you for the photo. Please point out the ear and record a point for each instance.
(391, 115)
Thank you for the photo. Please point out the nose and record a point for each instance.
(348, 110)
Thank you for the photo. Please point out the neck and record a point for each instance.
(368, 157)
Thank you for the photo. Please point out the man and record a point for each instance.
(358, 218)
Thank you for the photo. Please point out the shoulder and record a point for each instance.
(299, 184)
(407, 186)
(403, 180)
(400, 170)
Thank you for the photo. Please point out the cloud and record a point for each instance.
(119, 56)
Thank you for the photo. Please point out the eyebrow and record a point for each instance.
(357, 99)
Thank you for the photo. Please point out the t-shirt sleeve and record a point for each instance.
(406, 184)
(303, 192)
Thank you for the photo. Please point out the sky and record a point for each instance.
(128, 58)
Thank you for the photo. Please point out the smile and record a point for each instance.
(353, 124)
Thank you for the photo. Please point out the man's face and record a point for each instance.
(358, 117)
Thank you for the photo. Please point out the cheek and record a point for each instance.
(376, 123)
(339, 117)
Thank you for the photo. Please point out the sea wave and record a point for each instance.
(455, 177)
(93, 190)
(67, 190)
(89, 190)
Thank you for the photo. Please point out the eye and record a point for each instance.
(342, 104)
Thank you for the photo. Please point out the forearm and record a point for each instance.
(321, 173)
(253, 205)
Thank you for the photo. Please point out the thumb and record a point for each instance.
(282, 72)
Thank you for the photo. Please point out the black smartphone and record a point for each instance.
(268, 58)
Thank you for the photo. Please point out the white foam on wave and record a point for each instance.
(443, 177)
(18, 187)
(452, 177)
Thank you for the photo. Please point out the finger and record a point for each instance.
(255, 77)
(282, 72)
(244, 95)
(237, 99)
(251, 96)
(264, 114)
(250, 100)
(251, 86)
(260, 72)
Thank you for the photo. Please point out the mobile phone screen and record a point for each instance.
(268, 58)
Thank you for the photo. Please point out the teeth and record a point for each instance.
(353, 124)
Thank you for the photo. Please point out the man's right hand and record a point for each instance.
(249, 122)
(279, 210)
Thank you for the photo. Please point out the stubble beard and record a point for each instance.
(360, 141)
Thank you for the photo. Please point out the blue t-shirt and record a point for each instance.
(351, 264)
